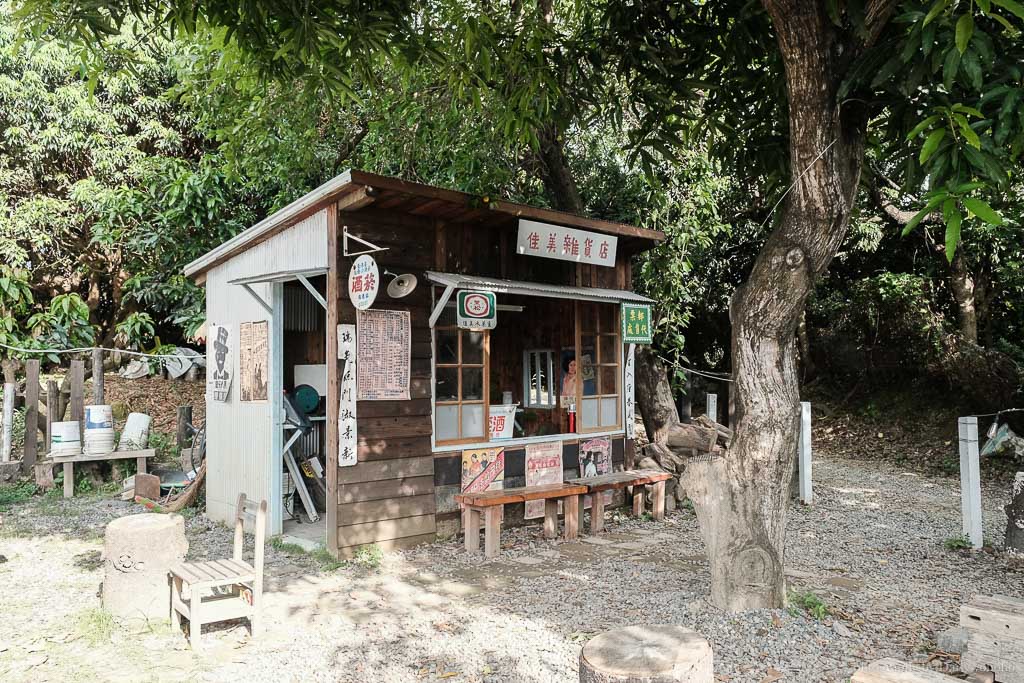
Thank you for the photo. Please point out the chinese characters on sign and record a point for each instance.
(566, 244)
(543, 466)
(363, 282)
(253, 360)
(629, 392)
(218, 380)
(348, 438)
(384, 348)
(636, 324)
(595, 459)
(477, 310)
(483, 469)
(502, 419)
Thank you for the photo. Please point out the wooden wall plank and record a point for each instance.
(389, 488)
(349, 552)
(385, 509)
(394, 427)
(387, 449)
(385, 530)
(415, 408)
(334, 293)
(387, 469)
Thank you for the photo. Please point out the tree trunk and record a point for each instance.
(962, 284)
(741, 499)
(1015, 517)
(557, 177)
(654, 395)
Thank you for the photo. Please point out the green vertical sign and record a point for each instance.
(636, 324)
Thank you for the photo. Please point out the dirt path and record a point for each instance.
(870, 552)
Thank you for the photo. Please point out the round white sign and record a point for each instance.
(363, 282)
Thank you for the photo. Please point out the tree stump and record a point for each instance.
(1015, 517)
(138, 551)
(647, 654)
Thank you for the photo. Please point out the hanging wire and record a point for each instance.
(89, 349)
(722, 377)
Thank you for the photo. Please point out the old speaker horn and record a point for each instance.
(402, 285)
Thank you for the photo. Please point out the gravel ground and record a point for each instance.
(870, 551)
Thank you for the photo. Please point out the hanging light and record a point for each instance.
(401, 285)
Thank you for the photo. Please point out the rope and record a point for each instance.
(721, 377)
(90, 349)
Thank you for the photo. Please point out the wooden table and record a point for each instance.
(651, 479)
(490, 503)
(69, 464)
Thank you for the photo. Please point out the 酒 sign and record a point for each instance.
(566, 244)
(636, 324)
(477, 310)
(363, 282)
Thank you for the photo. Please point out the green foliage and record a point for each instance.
(15, 494)
(135, 330)
(96, 625)
(368, 556)
(957, 543)
(809, 603)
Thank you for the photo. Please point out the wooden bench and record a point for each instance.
(69, 464)
(653, 480)
(490, 504)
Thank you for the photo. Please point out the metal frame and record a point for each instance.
(346, 236)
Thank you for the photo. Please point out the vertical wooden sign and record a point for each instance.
(630, 392)
(348, 438)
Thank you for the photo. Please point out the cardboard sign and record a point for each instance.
(253, 360)
(595, 459)
(363, 282)
(348, 438)
(218, 379)
(477, 310)
(483, 469)
(565, 244)
(543, 466)
(502, 419)
(384, 347)
(636, 324)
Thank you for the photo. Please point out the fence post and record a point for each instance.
(184, 434)
(970, 481)
(53, 411)
(97, 376)
(6, 440)
(712, 409)
(806, 489)
(31, 450)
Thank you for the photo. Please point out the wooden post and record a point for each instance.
(597, 512)
(471, 522)
(806, 490)
(572, 517)
(550, 518)
(492, 530)
(6, 439)
(658, 501)
(182, 430)
(53, 413)
(712, 410)
(97, 376)
(638, 501)
(31, 415)
(970, 481)
(77, 390)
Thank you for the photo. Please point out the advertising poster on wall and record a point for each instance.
(384, 343)
(348, 437)
(543, 466)
(253, 360)
(483, 469)
(595, 459)
(218, 378)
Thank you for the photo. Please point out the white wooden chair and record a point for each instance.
(218, 590)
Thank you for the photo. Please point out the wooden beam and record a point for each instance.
(359, 199)
(333, 377)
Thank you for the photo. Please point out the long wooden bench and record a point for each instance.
(490, 504)
(69, 464)
(653, 480)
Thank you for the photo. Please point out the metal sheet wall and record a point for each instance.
(244, 439)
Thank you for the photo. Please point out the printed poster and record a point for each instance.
(348, 438)
(483, 469)
(596, 459)
(384, 350)
(629, 392)
(543, 466)
(253, 360)
(218, 379)
(502, 419)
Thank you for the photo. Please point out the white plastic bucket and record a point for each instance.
(65, 438)
(99, 430)
(135, 435)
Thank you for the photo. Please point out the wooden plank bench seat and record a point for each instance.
(653, 480)
(490, 503)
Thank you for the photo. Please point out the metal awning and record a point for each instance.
(283, 276)
(453, 281)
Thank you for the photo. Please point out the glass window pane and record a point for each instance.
(446, 423)
(609, 348)
(609, 412)
(448, 346)
(609, 380)
(473, 347)
(588, 416)
(588, 372)
(447, 387)
(472, 384)
(473, 421)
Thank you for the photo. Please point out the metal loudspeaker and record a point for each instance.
(402, 285)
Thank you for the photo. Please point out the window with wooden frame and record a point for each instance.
(461, 383)
(599, 378)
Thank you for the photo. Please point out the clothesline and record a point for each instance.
(88, 349)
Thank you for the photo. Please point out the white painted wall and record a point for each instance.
(243, 440)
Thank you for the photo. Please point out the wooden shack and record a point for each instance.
(512, 338)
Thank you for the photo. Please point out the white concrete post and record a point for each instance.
(970, 481)
(806, 490)
(6, 441)
(713, 407)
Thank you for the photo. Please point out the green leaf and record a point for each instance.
(949, 209)
(985, 5)
(920, 215)
(983, 211)
(921, 127)
(936, 10)
(949, 68)
(965, 128)
(931, 144)
(964, 31)
(1011, 6)
(953, 233)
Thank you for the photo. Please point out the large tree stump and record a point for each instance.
(138, 551)
(647, 654)
(1015, 517)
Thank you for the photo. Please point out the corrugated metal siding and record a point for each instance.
(244, 439)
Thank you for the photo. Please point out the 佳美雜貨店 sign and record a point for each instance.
(566, 244)
(477, 310)
(636, 324)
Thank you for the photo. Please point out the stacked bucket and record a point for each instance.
(99, 430)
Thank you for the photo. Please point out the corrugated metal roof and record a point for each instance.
(499, 286)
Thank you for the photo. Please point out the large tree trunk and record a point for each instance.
(557, 178)
(962, 284)
(1015, 517)
(742, 498)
